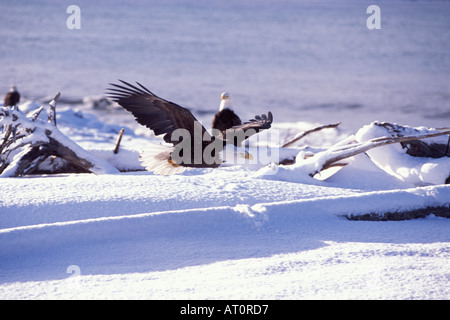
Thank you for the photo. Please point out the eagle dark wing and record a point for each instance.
(239, 133)
(261, 122)
(157, 114)
(225, 119)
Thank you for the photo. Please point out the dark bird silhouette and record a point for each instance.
(12, 98)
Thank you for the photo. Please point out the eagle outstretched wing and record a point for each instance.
(239, 133)
(261, 122)
(157, 114)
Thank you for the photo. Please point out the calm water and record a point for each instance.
(304, 60)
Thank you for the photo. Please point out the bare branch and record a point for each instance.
(52, 112)
(116, 149)
(36, 113)
(6, 137)
(301, 136)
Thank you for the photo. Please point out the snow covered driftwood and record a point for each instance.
(26, 142)
(409, 148)
(421, 157)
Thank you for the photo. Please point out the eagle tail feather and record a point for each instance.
(157, 158)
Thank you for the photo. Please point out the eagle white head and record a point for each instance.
(13, 89)
(225, 101)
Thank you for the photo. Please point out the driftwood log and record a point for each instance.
(357, 148)
(417, 148)
(332, 156)
(27, 141)
(440, 211)
(349, 147)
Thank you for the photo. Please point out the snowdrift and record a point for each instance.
(235, 232)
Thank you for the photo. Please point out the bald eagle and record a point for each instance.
(225, 118)
(192, 145)
(12, 98)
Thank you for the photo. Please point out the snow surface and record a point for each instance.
(235, 232)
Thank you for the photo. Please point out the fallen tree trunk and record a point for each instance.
(29, 141)
(357, 148)
(439, 211)
(332, 156)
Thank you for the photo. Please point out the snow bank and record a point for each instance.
(394, 160)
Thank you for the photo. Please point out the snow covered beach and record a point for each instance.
(236, 232)
(226, 233)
